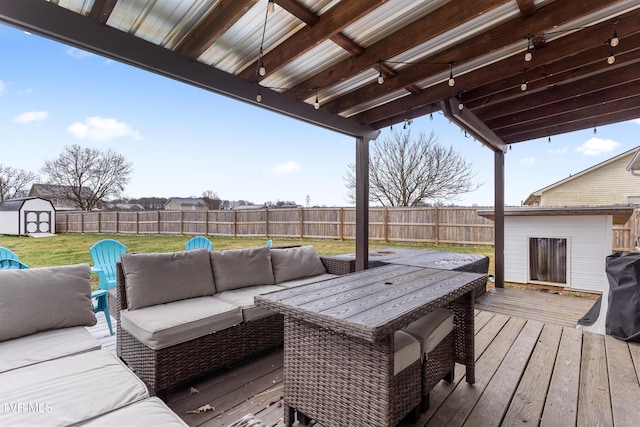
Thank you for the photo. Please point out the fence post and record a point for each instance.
(302, 223)
(341, 223)
(437, 226)
(386, 225)
(158, 222)
(81, 223)
(266, 222)
(117, 222)
(235, 223)
(137, 223)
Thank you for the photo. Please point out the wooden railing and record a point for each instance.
(447, 225)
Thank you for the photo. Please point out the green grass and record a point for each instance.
(65, 249)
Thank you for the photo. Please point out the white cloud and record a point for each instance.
(76, 53)
(596, 146)
(102, 129)
(560, 150)
(528, 161)
(31, 116)
(286, 168)
(3, 87)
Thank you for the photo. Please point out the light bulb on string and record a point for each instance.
(510, 147)
(271, 6)
(595, 131)
(430, 116)
(316, 104)
(460, 102)
(611, 58)
(528, 56)
(523, 85)
(615, 41)
(380, 76)
(262, 70)
(452, 81)
(259, 96)
(549, 140)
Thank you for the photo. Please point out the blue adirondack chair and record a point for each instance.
(102, 304)
(7, 254)
(11, 264)
(105, 254)
(198, 242)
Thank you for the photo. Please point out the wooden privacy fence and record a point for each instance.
(448, 225)
(424, 224)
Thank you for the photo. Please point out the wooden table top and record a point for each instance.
(374, 303)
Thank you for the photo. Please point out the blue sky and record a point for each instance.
(183, 141)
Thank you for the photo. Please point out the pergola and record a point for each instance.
(505, 71)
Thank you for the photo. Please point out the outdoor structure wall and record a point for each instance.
(9, 222)
(589, 242)
(172, 205)
(607, 185)
(13, 222)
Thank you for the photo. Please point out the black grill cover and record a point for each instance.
(623, 312)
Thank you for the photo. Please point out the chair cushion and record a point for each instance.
(406, 351)
(39, 299)
(43, 346)
(243, 298)
(238, 268)
(157, 278)
(164, 325)
(68, 390)
(306, 280)
(429, 330)
(151, 412)
(296, 263)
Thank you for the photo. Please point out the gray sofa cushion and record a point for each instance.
(39, 299)
(244, 298)
(157, 278)
(43, 346)
(69, 390)
(238, 268)
(296, 263)
(165, 325)
(151, 412)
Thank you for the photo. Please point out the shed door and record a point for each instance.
(37, 221)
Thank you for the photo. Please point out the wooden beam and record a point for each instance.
(510, 32)
(362, 203)
(527, 8)
(101, 10)
(57, 23)
(210, 29)
(498, 189)
(438, 22)
(469, 122)
(331, 23)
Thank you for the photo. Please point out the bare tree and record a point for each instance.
(88, 175)
(406, 172)
(14, 181)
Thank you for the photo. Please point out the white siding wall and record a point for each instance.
(9, 222)
(589, 242)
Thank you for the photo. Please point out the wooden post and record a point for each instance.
(181, 222)
(158, 222)
(437, 226)
(302, 223)
(235, 223)
(137, 223)
(386, 225)
(499, 218)
(266, 222)
(362, 203)
(117, 222)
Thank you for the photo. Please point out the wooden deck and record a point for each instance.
(533, 368)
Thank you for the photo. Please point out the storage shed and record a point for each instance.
(27, 215)
(564, 247)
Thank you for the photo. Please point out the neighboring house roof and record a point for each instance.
(50, 191)
(634, 164)
(187, 201)
(535, 196)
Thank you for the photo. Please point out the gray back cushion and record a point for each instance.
(238, 268)
(39, 299)
(157, 278)
(296, 263)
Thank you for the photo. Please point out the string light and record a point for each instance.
(380, 76)
(460, 103)
(549, 140)
(430, 116)
(615, 41)
(271, 6)
(262, 70)
(528, 56)
(523, 85)
(595, 131)
(510, 147)
(611, 59)
(452, 81)
(259, 95)
(316, 104)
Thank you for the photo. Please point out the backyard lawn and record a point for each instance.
(64, 249)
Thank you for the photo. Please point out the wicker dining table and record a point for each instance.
(338, 338)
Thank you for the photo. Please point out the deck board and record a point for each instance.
(529, 372)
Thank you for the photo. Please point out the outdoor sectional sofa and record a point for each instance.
(186, 313)
(52, 370)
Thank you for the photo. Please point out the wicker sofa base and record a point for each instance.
(161, 369)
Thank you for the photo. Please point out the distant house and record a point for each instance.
(185, 204)
(57, 195)
(606, 184)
